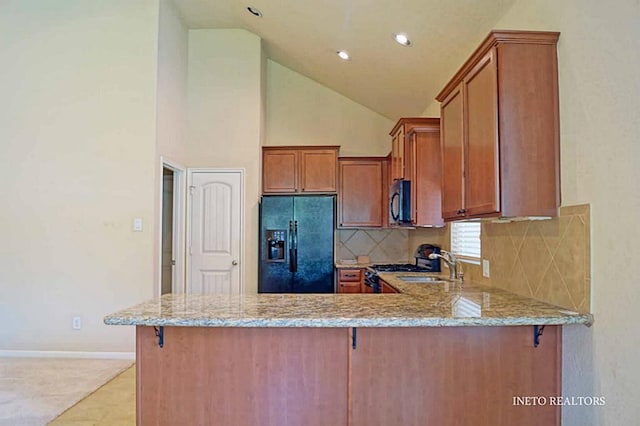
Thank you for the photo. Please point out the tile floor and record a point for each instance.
(114, 404)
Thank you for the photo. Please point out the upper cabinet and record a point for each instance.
(307, 169)
(362, 195)
(500, 130)
(423, 169)
(415, 157)
(399, 144)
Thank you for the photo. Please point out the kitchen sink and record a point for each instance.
(423, 279)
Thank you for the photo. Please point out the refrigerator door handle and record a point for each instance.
(292, 254)
(295, 246)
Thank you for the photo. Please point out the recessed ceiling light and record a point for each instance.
(402, 39)
(343, 55)
(254, 11)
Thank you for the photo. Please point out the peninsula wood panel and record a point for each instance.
(242, 376)
(463, 376)
(360, 198)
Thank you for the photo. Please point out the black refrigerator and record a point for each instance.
(296, 244)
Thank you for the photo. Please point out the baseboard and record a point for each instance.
(67, 354)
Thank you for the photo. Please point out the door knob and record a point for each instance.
(234, 262)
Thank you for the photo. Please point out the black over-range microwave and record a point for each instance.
(400, 202)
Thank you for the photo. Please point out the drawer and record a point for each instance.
(349, 287)
(349, 275)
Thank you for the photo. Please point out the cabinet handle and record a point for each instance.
(350, 275)
(462, 211)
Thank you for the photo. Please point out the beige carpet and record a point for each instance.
(34, 391)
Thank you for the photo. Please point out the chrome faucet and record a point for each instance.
(455, 267)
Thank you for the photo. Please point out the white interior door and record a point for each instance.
(215, 232)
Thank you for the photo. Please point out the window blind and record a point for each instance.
(465, 239)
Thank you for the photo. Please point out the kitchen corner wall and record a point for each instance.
(381, 245)
(548, 260)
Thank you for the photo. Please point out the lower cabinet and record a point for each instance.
(385, 287)
(350, 280)
(464, 376)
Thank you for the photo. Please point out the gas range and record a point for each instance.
(423, 264)
(372, 280)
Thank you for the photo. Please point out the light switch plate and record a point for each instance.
(137, 224)
(485, 268)
(76, 323)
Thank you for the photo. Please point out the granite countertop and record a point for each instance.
(344, 265)
(417, 305)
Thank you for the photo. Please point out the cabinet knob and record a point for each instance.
(462, 211)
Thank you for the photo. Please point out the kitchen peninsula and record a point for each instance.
(430, 354)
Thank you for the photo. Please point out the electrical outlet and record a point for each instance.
(485, 268)
(137, 224)
(76, 324)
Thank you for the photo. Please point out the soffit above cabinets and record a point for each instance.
(388, 78)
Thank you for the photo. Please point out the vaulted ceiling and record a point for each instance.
(388, 78)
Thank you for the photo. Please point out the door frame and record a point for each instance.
(178, 283)
(190, 172)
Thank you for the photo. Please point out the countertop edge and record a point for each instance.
(585, 319)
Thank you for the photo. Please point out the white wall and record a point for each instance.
(173, 39)
(225, 118)
(77, 132)
(171, 115)
(301, 111)
(598, 60)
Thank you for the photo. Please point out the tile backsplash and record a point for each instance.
(381, 245)
(549, 260)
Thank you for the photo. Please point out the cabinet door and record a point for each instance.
(481, 150)
(386, 184)
(452, 141)
(279, 171)
(360, 196)
(318, 170)
(397, 154)
(426, 177)
(386, 288)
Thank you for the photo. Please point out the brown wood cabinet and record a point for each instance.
(423, 168)
(385, 287)
(350, 280)
(242, 376)
(399, 144)
(417, 158)
(499, 130)
(300, 169)
(362, 194)
(463, 376)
